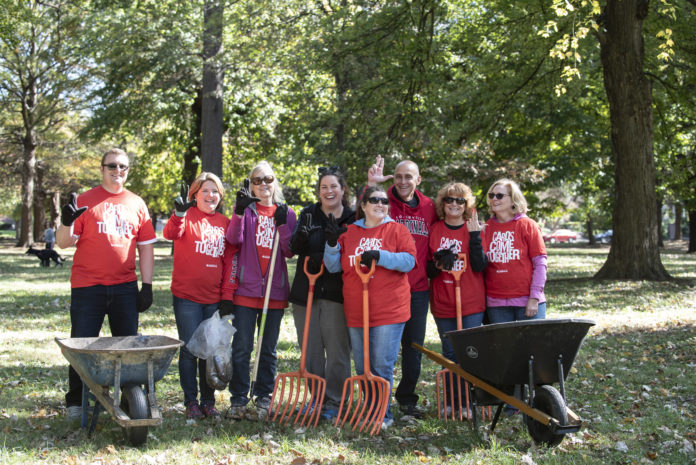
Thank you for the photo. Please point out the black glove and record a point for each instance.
(181, 203)
(70, 212)
(445, 258)
(314, 264)
(244, 198)
(281, 214)
(225, 307)
(144, 300)
(333, 231)
(367, 257)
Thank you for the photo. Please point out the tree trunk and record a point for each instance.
(28, 179)
(678, 211)
(660, 242)
(39, 205)
(692, 231)
(191, 157)
(54, 209)
(213, 75)
(634, 253)
(589, 228)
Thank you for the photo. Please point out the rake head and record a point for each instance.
(448, 386)
(299, 396)
(367, 399)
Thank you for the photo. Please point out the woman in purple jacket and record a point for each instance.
(259, 214)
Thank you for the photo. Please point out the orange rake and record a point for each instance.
(301, 384)
(444, 378)
(372, 399)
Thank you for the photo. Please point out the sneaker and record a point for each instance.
(329, 414)
(193, 411)
(74, 413)
(412, 410)
(210, 411)
(263, 404)
(387, 423)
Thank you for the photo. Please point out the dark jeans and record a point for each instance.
(246, 320)
(505, 314)
(189, 315)
(88, 307)
(414, 331)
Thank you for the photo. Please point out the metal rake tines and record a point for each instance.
(303, 399)
(368, 406)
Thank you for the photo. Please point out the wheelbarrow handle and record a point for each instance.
(364, 277)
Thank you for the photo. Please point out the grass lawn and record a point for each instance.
(632, 383)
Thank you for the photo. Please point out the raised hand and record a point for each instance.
(472, 224)
(181, 203)
(367, 257)
(244, 198)
(70, 212)
(333, 231)
(375, 174)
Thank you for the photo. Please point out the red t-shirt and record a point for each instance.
(389, 290)
(510, 248)
(443, 302)
(108, 233)
(199, 248)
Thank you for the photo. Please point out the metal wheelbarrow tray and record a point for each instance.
(124, 364)
(533, 354)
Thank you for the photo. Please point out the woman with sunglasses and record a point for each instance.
(328, 345)
(201, 256)
(457, 232)
(259, 214)
(374, 237)
(516, 271)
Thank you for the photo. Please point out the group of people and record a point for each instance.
(239, 265)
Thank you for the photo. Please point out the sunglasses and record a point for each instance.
(494, 195)
(329, 170)
(459, 200)
(113, 166)
(376, 200)
(258, 180)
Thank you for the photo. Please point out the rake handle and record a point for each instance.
(308, 313)
(365, 278)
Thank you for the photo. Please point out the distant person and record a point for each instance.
(200, 251)
(260, 213)
(106, 224)
(328, 346)
(49, 236)
(414, 210)
(516, 271)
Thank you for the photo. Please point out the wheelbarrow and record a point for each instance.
(124, 364)
(533, 354)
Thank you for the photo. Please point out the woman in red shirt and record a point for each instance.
(374, 236)
(198, 231)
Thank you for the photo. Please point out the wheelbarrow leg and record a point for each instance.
(85, 406)
(95, 416)
(497, 415)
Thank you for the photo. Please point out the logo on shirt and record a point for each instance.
(500, 249)
(114, 221)
(414, 224)
(456, 247)
(265, 231)
(212, 241)
(366, 243)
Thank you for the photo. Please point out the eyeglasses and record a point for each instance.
(496, 195)
(258, 180)
(113, 166)
(376, 200)
(459, 200)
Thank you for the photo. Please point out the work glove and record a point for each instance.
(244, 198)
(70, 212)
(333, 231)
(367, 257)
(445, 258)
(181, 203)
(281, 214)
(315, 260)
(226, 307)
(304, 230)
(144, 300)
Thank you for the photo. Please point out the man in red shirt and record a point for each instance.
(106, 224)
(416, 211)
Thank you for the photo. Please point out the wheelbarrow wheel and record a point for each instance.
(134, 403)
(548, 400)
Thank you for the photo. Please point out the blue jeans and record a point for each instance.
(445, 325)
(384, 349)
(246, 320)
(189, 315)
(505, 314)
(414, 331)
(88, 307)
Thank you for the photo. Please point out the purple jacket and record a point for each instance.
(242, 231)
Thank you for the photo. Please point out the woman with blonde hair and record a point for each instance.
(259, 214)
(516, 272)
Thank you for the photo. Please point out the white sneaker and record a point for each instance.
(387, 423)
(74, 413)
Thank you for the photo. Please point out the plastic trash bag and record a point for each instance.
(211, 342)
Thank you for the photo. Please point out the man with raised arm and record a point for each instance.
(106, 224)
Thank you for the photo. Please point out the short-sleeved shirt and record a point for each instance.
(108, 233)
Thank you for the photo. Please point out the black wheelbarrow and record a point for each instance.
(531, 354)
(124, 364)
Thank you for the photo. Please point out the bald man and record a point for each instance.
(408, 206)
